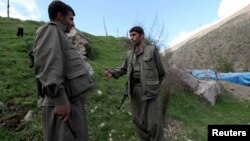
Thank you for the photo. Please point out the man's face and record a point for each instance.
(68, 21)
(135, 38)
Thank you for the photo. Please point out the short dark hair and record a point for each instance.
(137, 29)
(58, 6)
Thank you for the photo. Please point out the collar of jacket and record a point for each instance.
(142, 49)
(61, 26)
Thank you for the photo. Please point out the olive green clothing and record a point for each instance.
(146, 66)
(61, 74)
(151, 71)
(146, 116)
(136, 63)
(56, 130)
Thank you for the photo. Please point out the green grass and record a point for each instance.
(17, 91)
(196, 115)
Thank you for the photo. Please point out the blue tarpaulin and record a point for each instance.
(242, 78)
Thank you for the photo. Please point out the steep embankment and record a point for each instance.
(222, 47)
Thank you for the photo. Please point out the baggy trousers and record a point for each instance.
(147, 116)
(56, 130)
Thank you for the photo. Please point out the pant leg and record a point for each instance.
(137, 108)
(55, 130)
(153, 117)
(79, 121)
(53, 127)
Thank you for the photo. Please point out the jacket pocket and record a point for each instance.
(78, 83)
(152, 88)
(73, 62)
(147, 60)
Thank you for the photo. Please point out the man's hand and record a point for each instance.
(108, 73)
(63, 111)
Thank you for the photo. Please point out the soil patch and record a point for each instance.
(240, 92)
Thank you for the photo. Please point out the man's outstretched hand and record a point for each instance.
(108, 73)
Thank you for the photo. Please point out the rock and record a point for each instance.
(24, 121)
(28, 116)
(209, 90)
(182, 79)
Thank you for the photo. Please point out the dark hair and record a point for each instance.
(58, 6)
(137, 29)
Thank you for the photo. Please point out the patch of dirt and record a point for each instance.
(172, 129)
(240, 92)
(10, 117)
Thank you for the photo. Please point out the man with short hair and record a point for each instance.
(61, 77)
(145, 73)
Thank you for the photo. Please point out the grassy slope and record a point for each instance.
(17, 91)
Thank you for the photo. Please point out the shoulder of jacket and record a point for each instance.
(150, 47)
(153, 48)
(51, 26)
(129, 52)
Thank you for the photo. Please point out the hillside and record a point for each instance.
(221, 47)
(187, 115)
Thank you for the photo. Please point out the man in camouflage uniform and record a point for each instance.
(145, 73)
(61, 77)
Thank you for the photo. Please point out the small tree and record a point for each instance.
(225, 65)
(155, 35)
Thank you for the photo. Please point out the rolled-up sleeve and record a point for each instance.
(49, 64)
(120, 71)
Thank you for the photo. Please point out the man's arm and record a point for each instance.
(160, 68)
(49, 64)
(120, 71)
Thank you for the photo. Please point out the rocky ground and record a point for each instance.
(172, 129)
(239, 91)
